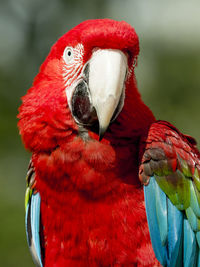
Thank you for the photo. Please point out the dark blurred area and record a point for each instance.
(168, 76)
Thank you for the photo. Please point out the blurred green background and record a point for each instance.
(168, 77)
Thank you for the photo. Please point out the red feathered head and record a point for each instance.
(81, 85)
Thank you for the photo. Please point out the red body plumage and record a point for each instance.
(92, 206)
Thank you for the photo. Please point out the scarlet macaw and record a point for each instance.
(95, 146)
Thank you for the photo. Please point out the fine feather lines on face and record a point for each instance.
(72, 69)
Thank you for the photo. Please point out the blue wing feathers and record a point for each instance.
(198, 238)
(173, 239)
(198, 252)
(33, 228)
(150, 202)
(35, 223)
(198, 260)
(190, 246)
(192, 219)
(161, 212)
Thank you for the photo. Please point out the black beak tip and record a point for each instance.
(102, 131)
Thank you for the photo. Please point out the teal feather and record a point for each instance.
(35, 224)
(161, 213)
(190, 246)
(194, 203)
(192, 219)
(175, 227)
(170, 163)
(198, 261)
(198, 238)
(150, 203)
(33, 228)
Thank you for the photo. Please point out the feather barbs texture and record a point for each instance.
(100, 33)
(96, 239)
(95, 225)
(72, 70)
(173, 159)
(47, 98)
(165, 142)
(52, 119)
(88, 187)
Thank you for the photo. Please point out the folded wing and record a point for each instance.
(32, 217)
(170, 172)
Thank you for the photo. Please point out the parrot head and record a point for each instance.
(83, 85)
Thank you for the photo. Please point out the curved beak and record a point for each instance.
(107, 73)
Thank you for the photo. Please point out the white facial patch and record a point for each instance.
(73, 58)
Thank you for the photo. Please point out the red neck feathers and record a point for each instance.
(47, 126)
(91, 202)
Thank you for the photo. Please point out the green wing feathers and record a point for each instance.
(174, 161)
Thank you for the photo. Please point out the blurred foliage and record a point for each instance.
(173, 93)
(168, 78)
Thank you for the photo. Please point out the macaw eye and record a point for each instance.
(68, 54)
